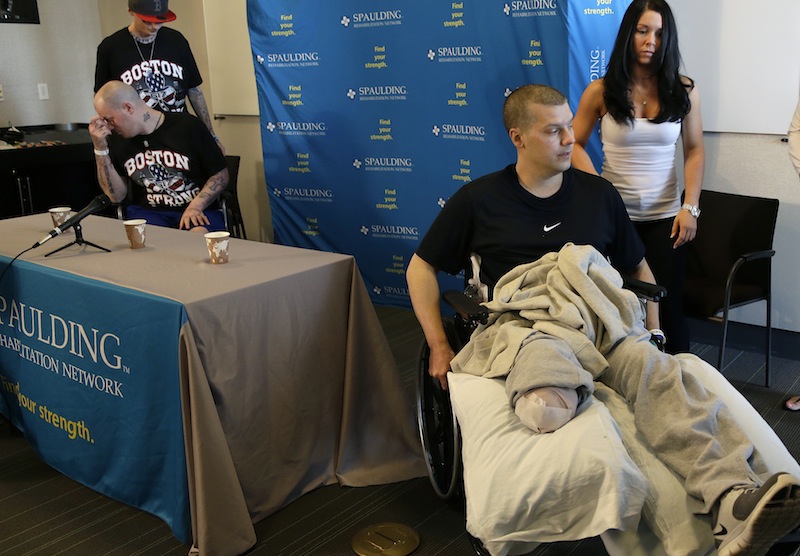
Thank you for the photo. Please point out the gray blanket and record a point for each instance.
(551, 322)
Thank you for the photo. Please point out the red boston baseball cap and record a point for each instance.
(154, 11)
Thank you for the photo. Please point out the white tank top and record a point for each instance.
(640, 161)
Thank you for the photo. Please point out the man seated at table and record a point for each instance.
(170, 162)
(528, 211)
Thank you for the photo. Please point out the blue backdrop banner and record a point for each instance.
(97, 392)
(373, 113)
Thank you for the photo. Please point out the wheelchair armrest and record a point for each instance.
(645, 290)
(467, 307)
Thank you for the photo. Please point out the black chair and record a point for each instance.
(729, 263)
(229, 200)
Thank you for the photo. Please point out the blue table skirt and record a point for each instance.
(89, 372)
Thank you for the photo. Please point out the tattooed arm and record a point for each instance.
(201, 111)
(112, 184)
(193, 216)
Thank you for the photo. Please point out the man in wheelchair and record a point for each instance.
(524, 215)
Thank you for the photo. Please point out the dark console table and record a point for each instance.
(48, 168)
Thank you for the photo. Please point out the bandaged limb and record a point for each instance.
(547, 409)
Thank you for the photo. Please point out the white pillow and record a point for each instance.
(580, 480)
(523, 487)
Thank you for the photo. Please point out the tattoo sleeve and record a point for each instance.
(110, 181)
(200, 107)
(212, 188)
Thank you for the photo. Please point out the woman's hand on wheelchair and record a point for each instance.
(439, 364)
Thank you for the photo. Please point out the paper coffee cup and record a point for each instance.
(135, 230)
(60, 215)
(217, 243)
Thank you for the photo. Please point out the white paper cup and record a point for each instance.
(60, 215)
(217, 243)
(135, 229)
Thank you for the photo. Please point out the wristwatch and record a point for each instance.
(694, 210)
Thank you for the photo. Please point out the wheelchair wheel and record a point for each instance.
(438, 428)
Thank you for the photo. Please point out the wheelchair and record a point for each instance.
(436, 421)
(437, 424)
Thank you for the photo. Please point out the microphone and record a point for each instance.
(98, 203)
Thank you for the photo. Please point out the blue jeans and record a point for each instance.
(172, 218)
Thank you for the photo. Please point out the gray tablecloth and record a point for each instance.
(288, 381)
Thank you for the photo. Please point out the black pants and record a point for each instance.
(669, 267)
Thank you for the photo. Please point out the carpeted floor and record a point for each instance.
(44, 513)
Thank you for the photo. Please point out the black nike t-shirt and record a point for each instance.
(496, 218)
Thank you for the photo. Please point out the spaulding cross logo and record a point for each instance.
(357, 164)
(436, 130)
(351, 94)
(431, 55)
(345, 21)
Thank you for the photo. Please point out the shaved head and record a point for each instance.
(123, 110)
(114, 93)
(516, 110)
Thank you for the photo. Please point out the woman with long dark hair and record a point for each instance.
(643, 105)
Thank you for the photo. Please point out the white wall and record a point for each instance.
(60, 51)
(745, 57)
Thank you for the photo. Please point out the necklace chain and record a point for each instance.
(145, 142)
(158, 120)
(635, 92)
(139, 50)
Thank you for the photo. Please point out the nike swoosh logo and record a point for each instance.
(721, 532)
(549, 228)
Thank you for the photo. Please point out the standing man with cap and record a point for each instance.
(157, 62)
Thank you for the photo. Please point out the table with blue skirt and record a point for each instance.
(209, 395)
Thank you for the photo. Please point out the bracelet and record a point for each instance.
(658, 338)
(101, 153)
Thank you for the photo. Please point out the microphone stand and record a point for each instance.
(78, 241)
